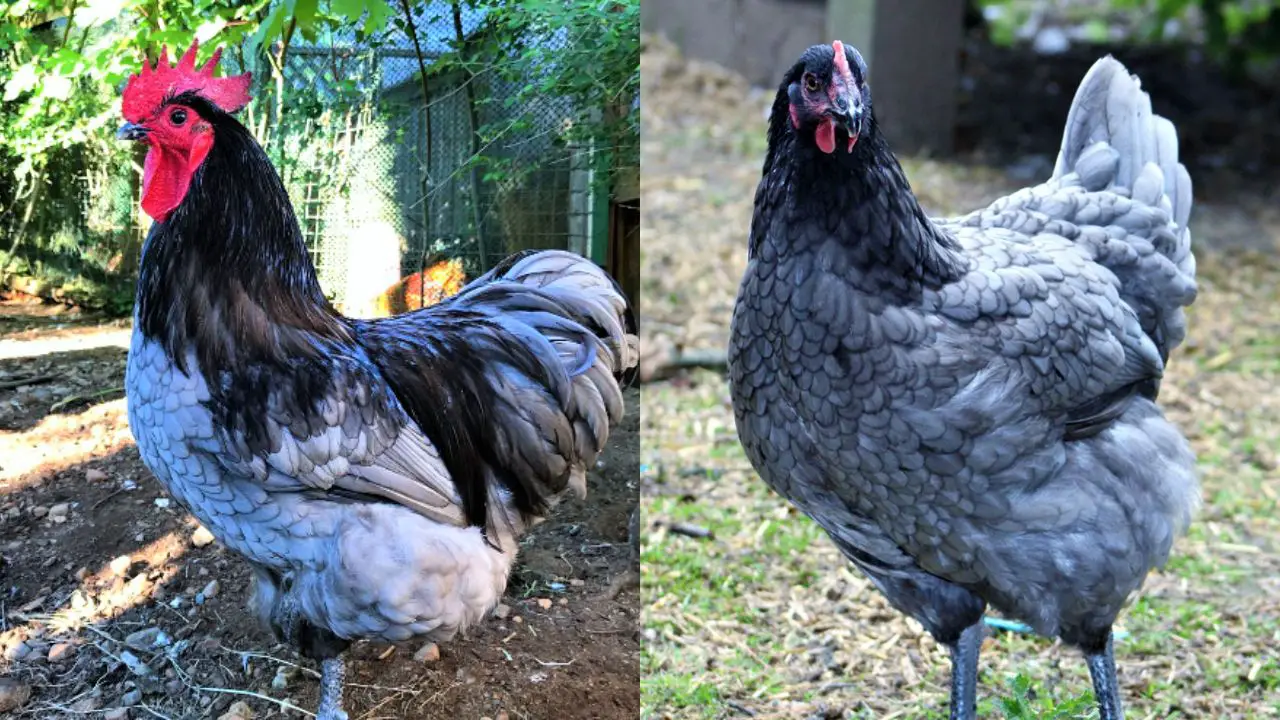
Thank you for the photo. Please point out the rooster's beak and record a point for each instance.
(131, 131)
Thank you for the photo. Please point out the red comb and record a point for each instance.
(842, 60)
(148, 90)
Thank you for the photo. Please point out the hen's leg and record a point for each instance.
(331, 672)
(964, 673)
(1102, 668)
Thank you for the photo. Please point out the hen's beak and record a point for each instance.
(847, 112)
(131, 131)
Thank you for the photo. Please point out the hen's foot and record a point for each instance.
(964, 673)
(1102, 668)
(331, 672)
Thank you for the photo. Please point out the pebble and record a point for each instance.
(281, 680)
(147, 639)
(39, 511)
(162, 503)
(18, 652)
(239, 710)
(427, 653)
(517, 620)
(94, 475)
(135, 665)
(86, 705)
(201, 537)
(544, 603)
(58, 513)
(210, 590)
(61, 652)
(133, 697)
(116, 714)
(577, 582)
(13, 694)
(121, 564)
(502, 612)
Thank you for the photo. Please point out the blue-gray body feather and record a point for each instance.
(968, 405)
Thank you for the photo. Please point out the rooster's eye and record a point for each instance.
(178, 116)
(810, 83)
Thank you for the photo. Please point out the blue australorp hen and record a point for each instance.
(376, 474)
(967, 405)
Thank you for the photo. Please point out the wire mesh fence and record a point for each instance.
(406, 160)
(378, 146)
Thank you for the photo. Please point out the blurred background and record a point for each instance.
(749, 611)
(420, 143)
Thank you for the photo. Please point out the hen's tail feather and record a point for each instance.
(1113, 141)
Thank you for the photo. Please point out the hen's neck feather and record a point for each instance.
(228, 275)
(862, 199)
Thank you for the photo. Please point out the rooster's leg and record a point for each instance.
(331, 672)
(964, 673)
(1102, 668)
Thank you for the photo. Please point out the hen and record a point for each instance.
(968, 406)
(375, 474)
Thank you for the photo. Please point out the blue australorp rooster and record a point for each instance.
(968, 406)
(375, 474)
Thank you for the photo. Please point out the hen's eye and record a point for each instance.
(178, 116)
(810, 83)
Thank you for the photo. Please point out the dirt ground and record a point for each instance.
(111, 600)
(750, 611)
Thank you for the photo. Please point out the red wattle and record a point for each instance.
(825, 135)
(166, 176)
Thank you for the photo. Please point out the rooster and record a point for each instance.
(967, 406)
(429, 286)
(376, 474)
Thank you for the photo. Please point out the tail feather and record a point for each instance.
(1114, 142)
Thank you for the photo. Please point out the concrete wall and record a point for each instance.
(911, 46)
(758, 39)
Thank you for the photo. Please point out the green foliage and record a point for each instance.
(1234, 30)
(585, 52)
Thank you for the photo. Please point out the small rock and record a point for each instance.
(427, 653)
(577, 582)
(210, 590)
(147, 639)
(82, 573)
(17, 653)
(60, 510)
(94, 475)
(517, 620)
(544, 603)
(174, 687)
(502, 612)
(564, 601)
(162, 503)
(13, 694)
(120, 565)
(135, 665)
(39, 511)
(61, 652)
(87, 704)
(140, 537)
(201, 537)
(128, 485)
(281, 680)
(116, 714)
(239, 710)
(133, 697)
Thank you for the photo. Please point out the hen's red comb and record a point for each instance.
(155, 84)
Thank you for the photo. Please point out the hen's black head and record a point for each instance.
(826, 98)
